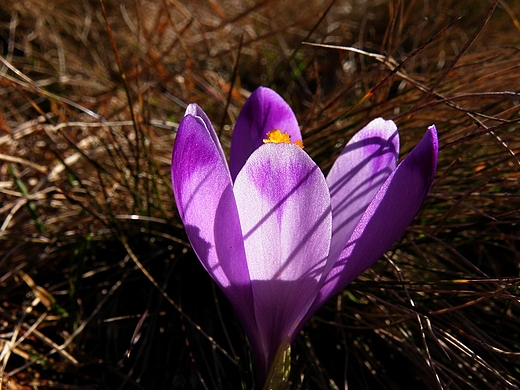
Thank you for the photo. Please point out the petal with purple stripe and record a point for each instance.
(284, 207)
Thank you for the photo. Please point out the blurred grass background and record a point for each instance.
(99, 288)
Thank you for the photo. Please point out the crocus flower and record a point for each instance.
(278, 237)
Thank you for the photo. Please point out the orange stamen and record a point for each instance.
(277, 137)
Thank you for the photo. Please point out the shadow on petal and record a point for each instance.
(274, 300)
(386, 218)
(357, 175)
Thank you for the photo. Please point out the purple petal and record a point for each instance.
(284, 207)
(196, 111)
(264, 111)
(363, 166)
(386, 218)
(204, 196)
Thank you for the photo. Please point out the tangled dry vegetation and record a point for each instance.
(98, 286)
